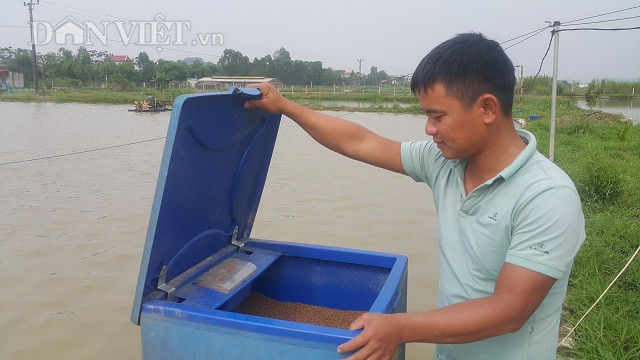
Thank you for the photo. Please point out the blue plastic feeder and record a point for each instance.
(199, 261)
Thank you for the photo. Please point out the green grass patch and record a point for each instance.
(94, 96)
(606, 172)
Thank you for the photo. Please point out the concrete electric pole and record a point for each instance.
(554, 88)
(31, 4)
(521, 72)
(360, 69)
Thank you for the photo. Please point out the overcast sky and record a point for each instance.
(392, 35)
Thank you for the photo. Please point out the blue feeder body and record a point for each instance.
(213, 170)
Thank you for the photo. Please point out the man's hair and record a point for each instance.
(468, 66)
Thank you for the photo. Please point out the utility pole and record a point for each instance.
(360, 69)
(554, 88)
(30, 4)
(520, 68)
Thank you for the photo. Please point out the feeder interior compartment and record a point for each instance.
(312, 291)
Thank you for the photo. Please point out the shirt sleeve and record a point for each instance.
(548, 231)
(422, 161)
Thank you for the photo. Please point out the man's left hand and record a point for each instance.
(380, 338)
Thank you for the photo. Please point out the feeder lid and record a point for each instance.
(213, 170)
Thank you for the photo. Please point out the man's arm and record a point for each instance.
(517, 294)
(344, 137)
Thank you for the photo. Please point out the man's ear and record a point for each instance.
(489, 107)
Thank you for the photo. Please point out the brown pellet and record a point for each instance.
(259, 305)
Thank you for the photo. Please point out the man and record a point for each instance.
(510, 220)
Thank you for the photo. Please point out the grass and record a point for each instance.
(606, 173)
(88, 95)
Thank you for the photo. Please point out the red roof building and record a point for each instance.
(119, 58)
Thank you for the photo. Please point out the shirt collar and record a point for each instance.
(524, 156)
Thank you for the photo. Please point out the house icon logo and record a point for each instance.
(70, 27)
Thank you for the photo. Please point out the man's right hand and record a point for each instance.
(272, 101)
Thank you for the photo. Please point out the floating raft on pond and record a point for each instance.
(151, 105)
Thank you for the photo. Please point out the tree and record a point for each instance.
(592, 93)
(282, 55)
(146, 67)
(232, 62)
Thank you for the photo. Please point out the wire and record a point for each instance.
(603, 21)
(581, 29)
(601, 29)
(15, 26)
(527, 38)
(80, 152)
(603, 293)
(518, 37)
(595, 16)
(544, 57)
(92, 12)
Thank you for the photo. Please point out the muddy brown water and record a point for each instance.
(72, 228)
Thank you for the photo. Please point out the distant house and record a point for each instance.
(224, 82)
(11, 79)
(119, 59)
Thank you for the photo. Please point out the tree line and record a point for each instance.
(91, 68)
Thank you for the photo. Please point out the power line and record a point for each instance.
(544, 57)
(523, 35)
(15, 26)
(80, 152)
(238, 44)
(580, 29)
(601, 29)
(527, 38)
(71, 12)
(604, 21)
(88, 11)
(595, 16)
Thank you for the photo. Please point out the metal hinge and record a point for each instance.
(162, 284)
(237, 242)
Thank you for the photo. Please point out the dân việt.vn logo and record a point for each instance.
(157, 32)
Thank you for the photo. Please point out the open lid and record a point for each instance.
(213, 170)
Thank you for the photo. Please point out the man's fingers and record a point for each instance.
(250, 104)
(357, 323)
(363, 354)
(355, 343)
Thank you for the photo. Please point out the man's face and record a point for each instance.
(458, 132)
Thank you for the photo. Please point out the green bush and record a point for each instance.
(576, 128)
(602, 184)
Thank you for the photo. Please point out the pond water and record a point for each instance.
(627, 107)
(72, 228)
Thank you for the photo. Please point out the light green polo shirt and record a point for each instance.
(528, 215)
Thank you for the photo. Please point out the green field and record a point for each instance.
(606, 171)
